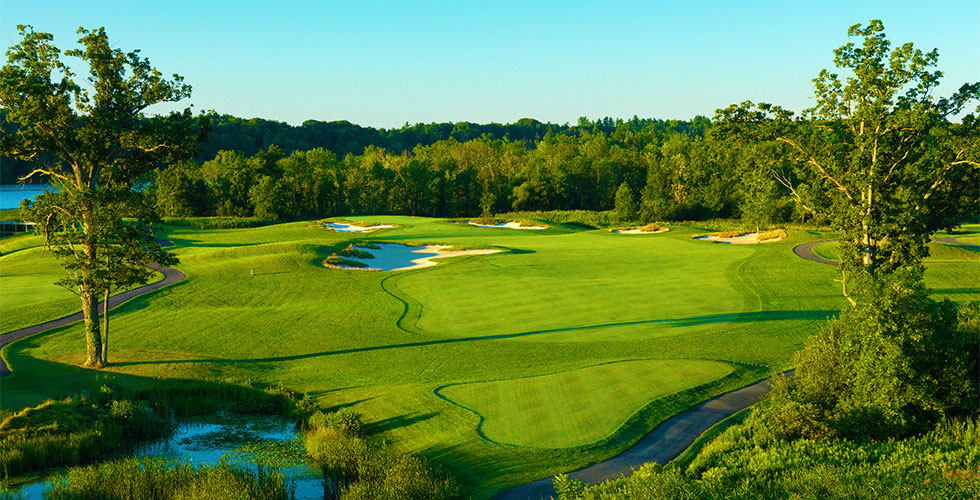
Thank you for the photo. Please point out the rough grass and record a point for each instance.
(561, 299)
(576, 407)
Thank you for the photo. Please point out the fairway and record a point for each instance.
(576, 407)
(561, 349)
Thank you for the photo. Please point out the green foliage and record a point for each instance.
(355, 469)
(741, 463)
(891, 367)
(163, 479)
(108, 419)
(876, 156)
(218, 222)
(74, 431)
(625, 205)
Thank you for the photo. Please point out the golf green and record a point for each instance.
(576, 407)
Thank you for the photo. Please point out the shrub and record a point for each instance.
(358, 470)
(893, 366)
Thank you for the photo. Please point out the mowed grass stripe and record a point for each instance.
(576, 407)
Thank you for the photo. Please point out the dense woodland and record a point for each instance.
(646, 169)
(660, 170)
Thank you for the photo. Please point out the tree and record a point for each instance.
(877, 154)
(102, 140)
(625, 204)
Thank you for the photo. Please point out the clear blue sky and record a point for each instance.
(383, 64)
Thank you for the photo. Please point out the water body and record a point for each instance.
(12, 194)
(242, 441)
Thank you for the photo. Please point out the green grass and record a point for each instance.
(556, 301)
(28, 293)
(576, 407)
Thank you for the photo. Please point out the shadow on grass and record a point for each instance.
(387, 424)
(682, 322)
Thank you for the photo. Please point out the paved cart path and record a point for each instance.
(170, 276)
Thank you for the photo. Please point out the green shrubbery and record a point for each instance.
(75, 431)
(355, 469)
(741, 463)
(162, 479)
(588, 218)
(893, 366)
(219, 222)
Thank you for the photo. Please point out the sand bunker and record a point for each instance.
(508, 225)
(397, 257)
(341, 227)
(743, 239)
(640, 230)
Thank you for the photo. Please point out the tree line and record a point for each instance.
(646, 169)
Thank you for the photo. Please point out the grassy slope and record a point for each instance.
(342, 336)
(28, 293)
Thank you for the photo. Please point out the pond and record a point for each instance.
(243, 441)
(12, 194)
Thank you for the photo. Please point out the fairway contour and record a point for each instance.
(398, 257)
(577, 407)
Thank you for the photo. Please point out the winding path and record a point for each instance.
(170, 276)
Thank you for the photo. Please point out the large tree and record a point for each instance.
(103, 142)
(877, 155)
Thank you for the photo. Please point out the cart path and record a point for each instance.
(662, 445)
(806, 251)
(170, 276)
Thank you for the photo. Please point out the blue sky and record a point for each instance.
(383, 64)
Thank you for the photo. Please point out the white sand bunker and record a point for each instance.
(507, 225)
(648, 229)
(397, 257)
(341, 227)
(744, 238)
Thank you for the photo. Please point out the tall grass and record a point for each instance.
(163, 479)
(355, 469)
(219, 222)
(584, 217)
(109, 420)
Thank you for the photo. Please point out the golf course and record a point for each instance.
(559, 349)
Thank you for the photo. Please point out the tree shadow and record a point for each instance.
(387, 424)
(680, 322)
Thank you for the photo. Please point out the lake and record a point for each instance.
(12, 194)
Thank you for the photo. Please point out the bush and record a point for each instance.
(358, 470)
(893, 366)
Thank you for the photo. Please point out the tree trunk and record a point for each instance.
(93, 341)
(90, 309)
(105, 329)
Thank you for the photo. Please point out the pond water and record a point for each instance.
(238, 440)
(12, 194)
